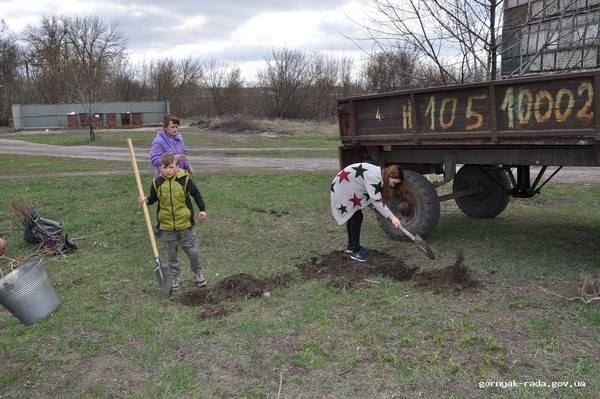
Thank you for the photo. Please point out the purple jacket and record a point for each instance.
(164, 143)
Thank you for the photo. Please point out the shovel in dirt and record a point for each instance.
(419, 242)
(163, 274)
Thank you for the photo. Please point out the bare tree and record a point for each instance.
(129, 82)
(175, 81)
(163, 78)
(96, 48)
(214, 82)
(323, 73)
(387, 71)
(284, 79)
(234, 85)
(47, 58)
(188, 86)
(346, 83)
(437, 31)
(10, 62)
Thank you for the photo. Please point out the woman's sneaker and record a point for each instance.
(361, 255)
(200, 281)
(175, 283)
(350, 249)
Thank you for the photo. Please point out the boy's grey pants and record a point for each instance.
(189, 243)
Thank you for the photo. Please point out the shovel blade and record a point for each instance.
(163, 275)
(423, 247)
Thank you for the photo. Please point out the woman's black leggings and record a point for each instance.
(353, 225)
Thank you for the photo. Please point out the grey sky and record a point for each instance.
(237, 32)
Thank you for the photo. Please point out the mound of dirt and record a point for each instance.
(233, 287)
(454, 277)
(342, 272)
(345, 272)
(348, 273)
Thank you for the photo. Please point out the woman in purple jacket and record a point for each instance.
(169, 140)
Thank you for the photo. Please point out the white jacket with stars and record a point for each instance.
(355, 187)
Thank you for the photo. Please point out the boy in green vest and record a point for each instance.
(172, 190)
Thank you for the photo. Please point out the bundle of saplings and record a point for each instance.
(47, 234)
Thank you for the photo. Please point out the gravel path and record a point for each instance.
(200, 162)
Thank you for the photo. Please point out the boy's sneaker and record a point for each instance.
(361, 255)
(175, 283)
(200, 281)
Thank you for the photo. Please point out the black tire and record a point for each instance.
(418, 208)
(493, 186)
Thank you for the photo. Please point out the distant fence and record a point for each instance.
(108, 115)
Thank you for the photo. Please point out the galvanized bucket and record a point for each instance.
(27, 292)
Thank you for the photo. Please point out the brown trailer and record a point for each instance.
(494, 131)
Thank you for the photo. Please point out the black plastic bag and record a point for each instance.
(47, 234)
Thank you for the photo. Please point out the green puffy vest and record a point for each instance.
(174, 207)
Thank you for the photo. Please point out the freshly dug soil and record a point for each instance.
(233, 287)
(454, 277)
(345, 272)
(348, 273)
(342, 272)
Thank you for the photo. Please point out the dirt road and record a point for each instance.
(569, 175)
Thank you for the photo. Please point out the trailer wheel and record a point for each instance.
(418, 207)
(492, 190)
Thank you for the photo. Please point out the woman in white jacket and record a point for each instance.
(357, 186)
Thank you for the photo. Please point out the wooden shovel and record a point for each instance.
(419, 242)
(163, 274)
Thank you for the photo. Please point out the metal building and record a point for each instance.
(107, 115)
(550, 35)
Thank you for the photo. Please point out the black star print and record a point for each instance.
(378, 188)
(342, 209)
(332, 190)
(359, 171)
(366, 196)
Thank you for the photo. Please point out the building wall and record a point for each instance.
(50, 116)
(550, 35)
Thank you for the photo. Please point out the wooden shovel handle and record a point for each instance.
(138, 181)
(408, 234)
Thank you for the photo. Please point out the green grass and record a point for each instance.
(22, 164)
(301, 136)
(114, 336)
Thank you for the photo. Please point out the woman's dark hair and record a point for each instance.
(170, 118)
(391, 171)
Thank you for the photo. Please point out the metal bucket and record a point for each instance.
(27, 292)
